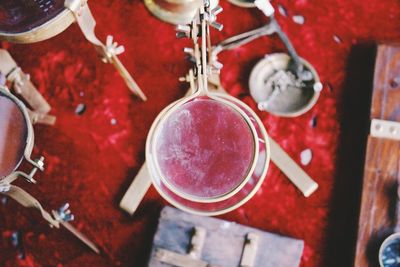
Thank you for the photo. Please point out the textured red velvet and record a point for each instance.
(90, 162)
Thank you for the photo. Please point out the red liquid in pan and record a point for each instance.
(205, 148)
(13, 135)
(17, 16)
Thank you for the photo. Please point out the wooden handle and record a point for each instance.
(136, 191)
(293, 171)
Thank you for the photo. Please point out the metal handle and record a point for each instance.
(242, 39)
(108, 51)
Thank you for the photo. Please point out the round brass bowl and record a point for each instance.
(291, 102)
(175, 11)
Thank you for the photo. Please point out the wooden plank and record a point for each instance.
(382, 162)
(136, 191)
(224, 243)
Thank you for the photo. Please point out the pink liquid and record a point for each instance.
(205, 148)
(13, 135)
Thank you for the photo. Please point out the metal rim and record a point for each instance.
(172, 17)
(239, 203)
(224, 196)
(30, 135)
(259, 66)
(386, 242)
(168, 16)
(242, 4)
(45, 31)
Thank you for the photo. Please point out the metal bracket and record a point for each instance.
(21, 84)
(249, 250)
(38, 164)
(385, 129)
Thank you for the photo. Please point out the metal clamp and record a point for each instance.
(385, 129)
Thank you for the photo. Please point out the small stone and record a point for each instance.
(15, 239)
(313, 122)
(299, 19)
(318, 87)
(80, 109)
(282, 10)
(306, 157)
(337, 39)
(113, 121)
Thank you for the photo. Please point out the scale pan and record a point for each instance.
(13, 135)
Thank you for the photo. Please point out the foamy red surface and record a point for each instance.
(205, 148)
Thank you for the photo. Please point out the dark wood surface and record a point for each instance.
(224, 241)
(382, 162)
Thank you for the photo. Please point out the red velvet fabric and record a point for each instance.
(90, 162)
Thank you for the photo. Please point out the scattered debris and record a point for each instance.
(282, 10)
(4, 200)
(16, 241)
(113, 121)
(299, 19)
(15, 238)
(306, 157)
(337, 39)
(80, 109)
(313, 122)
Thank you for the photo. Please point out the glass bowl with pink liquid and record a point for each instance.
(16, 134)
(207, 154)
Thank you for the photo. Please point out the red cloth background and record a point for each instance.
(90, 162)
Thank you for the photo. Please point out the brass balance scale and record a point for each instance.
(205, 82)
(297, 74)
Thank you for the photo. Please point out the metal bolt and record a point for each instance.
(217, 25)
(65, 213)
(215, 11)
(183, 31)
(218, 65)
